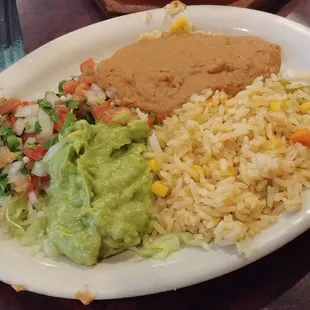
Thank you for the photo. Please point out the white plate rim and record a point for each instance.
(298, 227)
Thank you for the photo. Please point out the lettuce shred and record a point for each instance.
(22, 221)
(162, 246)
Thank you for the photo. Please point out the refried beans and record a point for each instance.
(160, 74)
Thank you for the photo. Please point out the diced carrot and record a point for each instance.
(87, 66)
(70, 86)
(10, 105)
(302, 136)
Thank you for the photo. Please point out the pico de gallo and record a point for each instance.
(30, 129)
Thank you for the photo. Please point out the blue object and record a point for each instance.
(11, 41)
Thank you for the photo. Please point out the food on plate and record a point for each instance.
(100, 196)
(85, 173)
(232, 165)
(172, 67)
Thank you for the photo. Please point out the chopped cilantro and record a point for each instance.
(4, 184)
(10, 139)
(72, 104)
(13, 143)
(68, 123)
(24, 170)
(47, 107)
(60, 85)
(37, 127)
(49, 142)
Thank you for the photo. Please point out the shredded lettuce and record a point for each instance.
(162, 246)
(72, 104)
(22, 221)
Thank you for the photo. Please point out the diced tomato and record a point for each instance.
(34, 186)
(32, 190)
(87, 66)
(25, 103)
(34, 153)
(62, 118)
(149, 121)
(44, 179)
(6, 123)
(70, 86)
(28, 166)
(100, 110)
(10, 105)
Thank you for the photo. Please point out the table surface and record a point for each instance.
(278, 281)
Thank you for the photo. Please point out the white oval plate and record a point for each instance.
(125, 275)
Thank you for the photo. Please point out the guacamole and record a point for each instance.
(100, 198)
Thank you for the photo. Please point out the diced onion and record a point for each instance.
(19, 126)
(51, 152)
(33, 198)
(39, 169)
(90, 94)
(31, 140)
(40, 214)
(142, 115)
(47, 125)
(111, 92)
(14, 168)
(95, 87)
(153, 141)
(68, 97)
(51, 97)
(30, 123)
(29, 110)
(26, 159)
(95, 98)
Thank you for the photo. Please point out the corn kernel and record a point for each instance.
(305, 107)
(276, 143)
(153, 164)
(182, 25)
(277, 106)
(198, 170)
(160, 189)
(231, 171)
